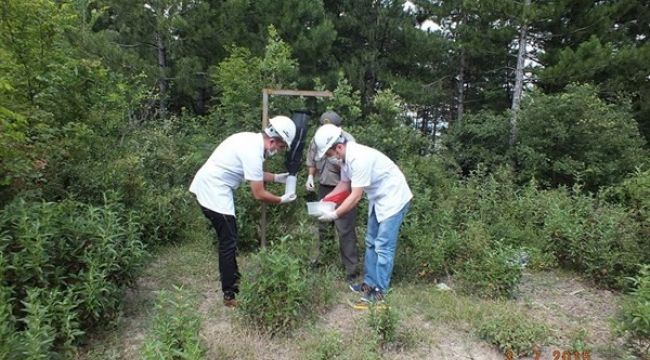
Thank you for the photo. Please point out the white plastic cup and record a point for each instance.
(290, 185)
(318, 208)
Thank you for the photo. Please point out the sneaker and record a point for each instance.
(360, 288)
(375, 298)
(377, 295)
(229, 300)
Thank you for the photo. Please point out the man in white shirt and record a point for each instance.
(364, 169)
(239, 158)
(329, 175)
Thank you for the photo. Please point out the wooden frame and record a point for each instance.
(265, 122)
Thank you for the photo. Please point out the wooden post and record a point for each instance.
(265, 122)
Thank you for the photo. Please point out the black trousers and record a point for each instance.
(226, 228)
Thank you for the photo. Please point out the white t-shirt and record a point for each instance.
(240, 157)
(380, 178)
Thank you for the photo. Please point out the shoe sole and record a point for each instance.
(362, 305)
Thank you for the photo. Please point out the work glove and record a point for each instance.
(280, 178)
(328, 216)
(287, 198)
(310, 183)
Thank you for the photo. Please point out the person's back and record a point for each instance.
(382, 180)
(238, 158)
(228, 166)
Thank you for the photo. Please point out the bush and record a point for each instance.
(420, 249)
(329, 346)
(63, 269)
(494, 274)
(564, 139)
(175, 329)
(479, 140)
(383, 322)
(512, 332)
(447, 232)
(575, 137)
(600, 240)
(279, 292)
(636, 310)
(634, 194)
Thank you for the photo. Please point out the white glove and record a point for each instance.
(287, 198)
(310, 183)
(280, 178)
(328, 216)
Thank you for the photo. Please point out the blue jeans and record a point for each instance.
(381, 242)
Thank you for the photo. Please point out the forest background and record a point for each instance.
(522, 128)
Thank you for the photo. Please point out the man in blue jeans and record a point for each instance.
(364, 169)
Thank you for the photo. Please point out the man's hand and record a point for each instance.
(310, 183)
(328, 216)
(280, 178)
(287, 198)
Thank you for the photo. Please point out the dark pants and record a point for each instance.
(345, 228)
(226, 228)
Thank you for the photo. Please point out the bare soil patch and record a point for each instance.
(572, 308)
(566, 303)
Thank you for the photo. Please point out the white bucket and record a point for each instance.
(318, 208)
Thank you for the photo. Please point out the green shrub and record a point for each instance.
(634, 194)
(479, 140)
(63, 269)
(512, 331)
(9, 343)
(37, 340)
(448, 234)
(170, 216)
(564, 139)
(278, 292)
(636, 310)
(493, 274)
(174, 333)
(600, 240)
(16, 165)
(425, 238)
(329, 346)
(575, 137)
(383, 322)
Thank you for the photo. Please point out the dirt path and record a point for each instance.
(571, 308)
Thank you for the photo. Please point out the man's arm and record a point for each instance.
(340, 187)
(261, 194)
(351, 201)
(268, 177)
(311, 167)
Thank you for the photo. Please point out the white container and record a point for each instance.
(318, 208)
(290, 185)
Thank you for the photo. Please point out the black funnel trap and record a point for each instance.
(293, 160)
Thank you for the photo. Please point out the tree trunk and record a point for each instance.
(519, 76)
(434, 131)
(460, 105)
(162, 71)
